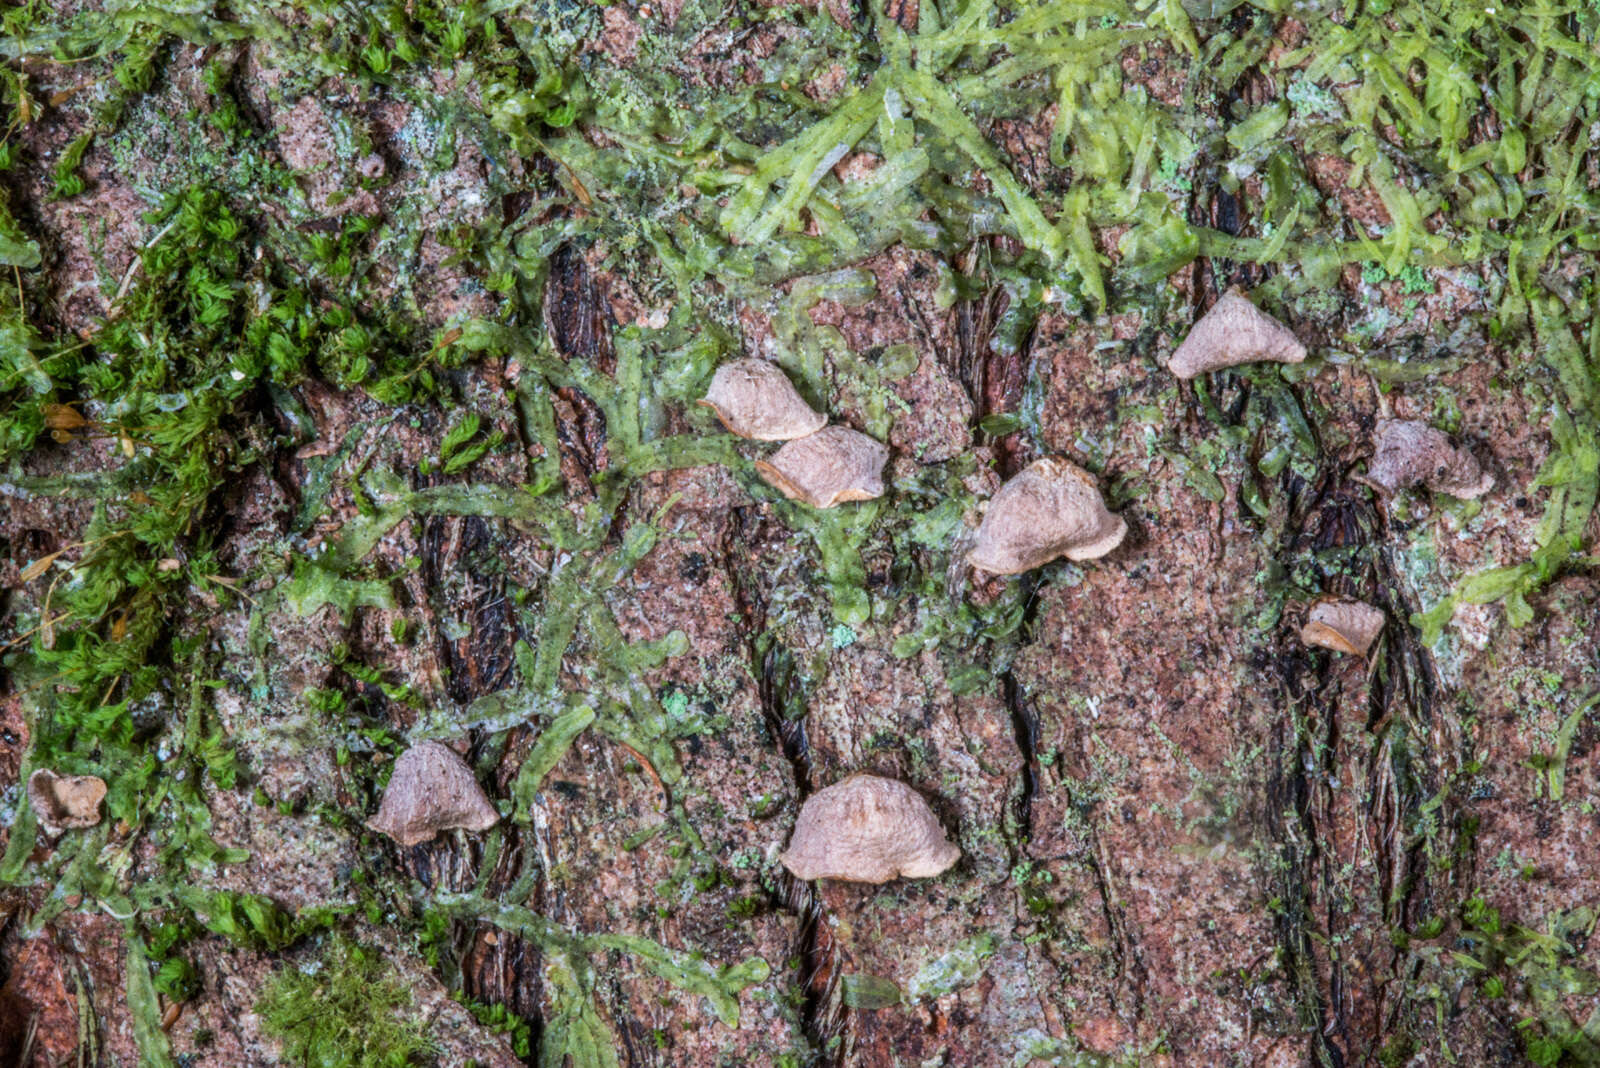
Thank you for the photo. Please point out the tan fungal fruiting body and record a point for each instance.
(1410, 452)
(431, 790)
(1343, 625)
(834, 465)
(755, 399)
(65, 802)
(1051, 508)
(1234, 331)
(868, 830)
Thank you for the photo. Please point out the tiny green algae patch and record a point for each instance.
(1047, 153)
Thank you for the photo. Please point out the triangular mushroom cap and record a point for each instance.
(431, 790)
(755, 399)
(1409, 452)
(834, 465)
(1051, 508)
(1234, 331)
(868, 829)
(65, 802)
(1343, 625)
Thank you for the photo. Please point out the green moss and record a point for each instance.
(344, 1009)
(502, 1021)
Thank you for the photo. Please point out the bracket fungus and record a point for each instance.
(1234, 331)
(755, 399)
(1051, 508)
(1343, 625)
(65, 802)
(431, 790)
(1409, 452)
(834, 465)
(867, 829)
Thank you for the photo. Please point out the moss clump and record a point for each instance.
(348, 1011)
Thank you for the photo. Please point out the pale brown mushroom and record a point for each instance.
(430, 790)
(1234, 331)
(834, 465)
(1343, 625)
(755, 399)
(1409, 452)
(65, 802)
(868, 829)
(1051, 508)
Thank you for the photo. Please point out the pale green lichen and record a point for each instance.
(959, 966)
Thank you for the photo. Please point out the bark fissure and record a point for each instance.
(1296, 789)
(824, 1019)
(1346, 1018)
(1025, 725)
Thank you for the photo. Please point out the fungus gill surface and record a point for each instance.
(755, 399)
(431, 790)
(834, 465)
(1234, 331)
(868, 829)
(1051, 508)
(1342, 624)
(65, 802)
(1409, 453)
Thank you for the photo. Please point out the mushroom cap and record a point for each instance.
(1050, 508)
(823, 469)
(1234, 331)
(1409, 452)
(755, 399)
(1342, 624)
(65, 802)
(431, 790)
(867, 829)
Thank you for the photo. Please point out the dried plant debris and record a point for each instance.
(1342, 624)
(1409, 453)
(834, 465)
(431, 790)
(755, 399)
(868, 829)
(65, 802)
(1234, 331)
(1051, 508)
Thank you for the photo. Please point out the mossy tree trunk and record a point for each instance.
(348, 368)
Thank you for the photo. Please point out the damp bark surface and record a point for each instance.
(474, 269)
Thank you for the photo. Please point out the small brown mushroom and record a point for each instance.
(1234, 331)
(867, 829)
(1343, 625)
(1051, 508)
(755, 399)
(65, 802)
(430, 790)
(834, 465)
(1409, 452)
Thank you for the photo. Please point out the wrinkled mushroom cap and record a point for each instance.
(431, 790)
(1051, 508)
(833, 465)
(65, 802)
(1343, 625)
(755, 399)
(1410, 452)
(868, 830)
(1234, 331)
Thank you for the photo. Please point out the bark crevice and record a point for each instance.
(824, 1018)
